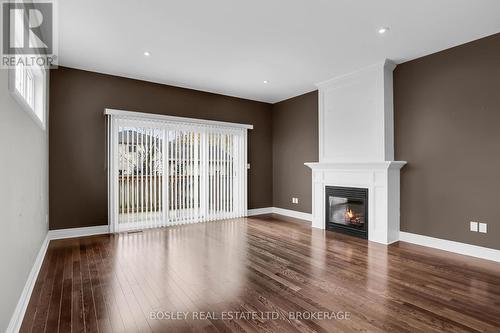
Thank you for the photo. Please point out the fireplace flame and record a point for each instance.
(349, 214)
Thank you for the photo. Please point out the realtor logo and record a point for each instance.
(28, 33)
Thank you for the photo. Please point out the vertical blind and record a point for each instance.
(170, 170)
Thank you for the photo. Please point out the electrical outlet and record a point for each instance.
(483, 227)
(473, 226)
(248, 166)
(295, 200)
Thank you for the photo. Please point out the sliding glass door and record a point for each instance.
(168, 171)
(139, 176)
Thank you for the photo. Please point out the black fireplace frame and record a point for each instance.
(350, 192)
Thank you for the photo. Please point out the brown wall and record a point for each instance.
(295, 141)
(77, 137)
(447, 126)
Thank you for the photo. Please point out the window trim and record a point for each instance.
(39, 78)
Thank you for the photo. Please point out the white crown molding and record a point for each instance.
(17, 317)
(451, 246)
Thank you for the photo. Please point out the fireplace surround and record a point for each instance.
(347, 210)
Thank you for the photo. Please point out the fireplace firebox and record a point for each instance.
(347, 210)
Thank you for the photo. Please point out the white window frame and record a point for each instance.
(36, 105)
(37, 110)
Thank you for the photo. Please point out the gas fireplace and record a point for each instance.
(347, 210)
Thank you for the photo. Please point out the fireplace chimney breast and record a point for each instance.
(356, 146)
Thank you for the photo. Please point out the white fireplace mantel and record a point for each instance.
(355, 165)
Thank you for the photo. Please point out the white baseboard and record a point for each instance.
(78, 232)
(17, 317)
(451, 246)
(280, 211)
(260, 211)
(292, 213)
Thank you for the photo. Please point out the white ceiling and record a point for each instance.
(232, 46)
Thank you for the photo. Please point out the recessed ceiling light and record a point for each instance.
(266, 82)
(383, 30)
(147, 54)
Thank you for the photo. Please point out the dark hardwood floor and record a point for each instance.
(253, 270)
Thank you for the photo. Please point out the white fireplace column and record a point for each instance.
(356, 147)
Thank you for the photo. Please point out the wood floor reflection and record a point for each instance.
(253, 270)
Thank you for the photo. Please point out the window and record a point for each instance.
(28, 87)
(25, 84)
(28, 84)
